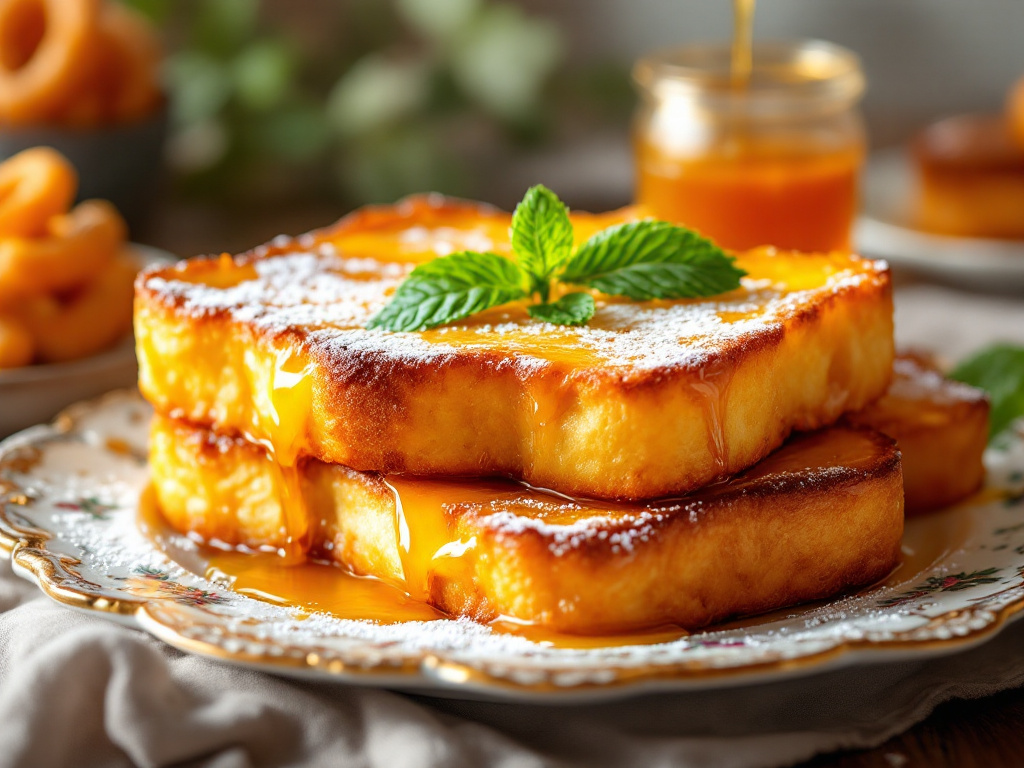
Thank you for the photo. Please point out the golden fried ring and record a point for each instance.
(91, 321)
(91, 103)
(35, 185)
(79, 245)
(134, 58)
(54, 69)
(16, 345)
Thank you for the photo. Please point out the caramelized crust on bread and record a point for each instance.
(651, 398)
(822, 514)
(941, 429)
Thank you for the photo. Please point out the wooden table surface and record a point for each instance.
(985, 733)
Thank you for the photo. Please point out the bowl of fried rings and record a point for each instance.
(34, 394)
(82, 76)
(66, 290)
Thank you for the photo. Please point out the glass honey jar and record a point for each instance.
(768, 159)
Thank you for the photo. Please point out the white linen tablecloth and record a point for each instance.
(80, 691)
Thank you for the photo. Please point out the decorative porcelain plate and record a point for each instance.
(69, 506)
(886, 231)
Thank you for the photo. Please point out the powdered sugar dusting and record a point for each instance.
(446, 240)
(621, 533)
(566, 525)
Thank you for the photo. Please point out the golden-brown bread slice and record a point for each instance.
(822, 514)
(652, 398)
(941, 429)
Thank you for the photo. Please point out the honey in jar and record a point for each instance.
(766, 156)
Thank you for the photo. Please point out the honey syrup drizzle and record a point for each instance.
(424, 537)
(713, 389)
(430, 544)
(317, 586)
(290, 396)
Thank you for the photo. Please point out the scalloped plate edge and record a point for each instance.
(431, 672)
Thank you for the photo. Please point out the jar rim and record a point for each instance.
(784, 72)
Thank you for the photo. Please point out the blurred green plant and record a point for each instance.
(391, 97)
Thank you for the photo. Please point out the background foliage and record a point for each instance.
(376, 100)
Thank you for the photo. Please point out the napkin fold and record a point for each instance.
(76, 690)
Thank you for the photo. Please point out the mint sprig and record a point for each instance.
(999, 370)
(641, 260)
(451, 288)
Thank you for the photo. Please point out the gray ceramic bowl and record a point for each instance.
(36, 393)
(122, 164)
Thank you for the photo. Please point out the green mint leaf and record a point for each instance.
(541, 235)
(652, 260)
(451, 288)
(999, 370)
(571, 309)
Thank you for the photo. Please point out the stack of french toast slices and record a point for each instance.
(673, 462)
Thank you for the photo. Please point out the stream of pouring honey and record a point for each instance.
(742, 42)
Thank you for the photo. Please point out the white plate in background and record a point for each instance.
(885, 231)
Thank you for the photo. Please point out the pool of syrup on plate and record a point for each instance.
(317, 586)
(326, 588)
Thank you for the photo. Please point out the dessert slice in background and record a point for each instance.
(971, 173)
(1015, 111)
